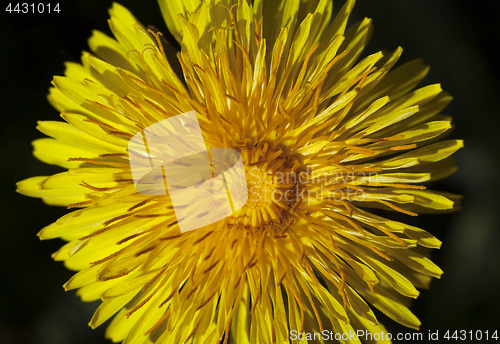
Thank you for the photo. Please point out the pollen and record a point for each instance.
(271, 188)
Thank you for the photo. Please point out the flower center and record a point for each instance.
(270, 185)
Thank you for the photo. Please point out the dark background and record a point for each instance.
(459, 39)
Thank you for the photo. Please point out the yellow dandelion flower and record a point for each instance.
(322, 135)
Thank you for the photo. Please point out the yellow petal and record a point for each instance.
(109, 50)
(109, 307)
(68, 133)
(170, 11)
(56, 152)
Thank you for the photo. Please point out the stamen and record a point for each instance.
(210, 254)
(102, 106)
(253, 264)
(281, 279)
(154, 278)
(206, 301)
(100, 261)
(107, 126)
(140, 204)
(299, 300)
(316, 314)
(158, 41)
(98, 162)
(392, 235)
(327, 68)
(300, 77)
(302, 320)
(390, 138)
(254, 303)
(226, 332)
(95, 233)
(302, 255)
(117, 218)
(129, 181)
(355, 225)
(361, 150)
(296, 205)
(342, 288)
(257, 30)
(249, 261)
(121, 133)
(211, 266)
(146, 250)
(348, 206)
(401, 210)
(264, 240)
(147, 216)
(192, 273)
(194, 330)
(162, 319)
(143, 302)
(404, 186)
(192, 292)
(233, 243)
(403, 147)
(113, 155)
(288, 225)
(104, 279)
(237, 282)
(168, 297)
(380, 253)
(78, 204)
(171, 237)
(204, 237)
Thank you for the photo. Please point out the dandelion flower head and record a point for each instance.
(283, 83)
